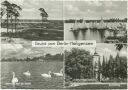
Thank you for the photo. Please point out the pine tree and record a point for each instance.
(103, 71)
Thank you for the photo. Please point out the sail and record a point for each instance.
(101, 24)
(75, 26)
(83, 25)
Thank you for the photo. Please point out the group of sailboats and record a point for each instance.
(92, 25)
(79, 26)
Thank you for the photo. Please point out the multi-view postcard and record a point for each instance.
(63, 44)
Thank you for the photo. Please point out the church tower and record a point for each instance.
(96, 58)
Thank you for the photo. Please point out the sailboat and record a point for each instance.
(75, 27)
(93, 26)
(102, 25)
(83, 25)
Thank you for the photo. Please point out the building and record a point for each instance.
(96, 58)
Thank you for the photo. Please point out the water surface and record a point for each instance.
(36, 81)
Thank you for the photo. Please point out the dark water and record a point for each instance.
(35, 81)
(97, 35)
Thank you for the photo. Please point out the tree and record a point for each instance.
(115, 68)
(6, 8)
(78, 64)
(43, 14)
(103, 70)
(121, 69)
(11, 10)
(16, 13)
(111, 67)
(100, 68)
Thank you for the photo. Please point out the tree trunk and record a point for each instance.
(42, 22)
(7, 22)
(11, 24)
(15, 25)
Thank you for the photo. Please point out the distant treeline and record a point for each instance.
(29, 20)
(47, 57)
(105, 20)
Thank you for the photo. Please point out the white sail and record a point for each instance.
(83, 25)
(101, 24)
(75, 25)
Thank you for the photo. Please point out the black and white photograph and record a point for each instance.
(25, 67)
(63, 44)
(28, 20)
(103, 21)
(100, 67)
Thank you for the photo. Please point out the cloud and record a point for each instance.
(72, 8)
(94, 9)
(89, 11)
(94, 3)
(20, 51)
(109, 11)
(11, 47)
(18, 2)
(109, 4)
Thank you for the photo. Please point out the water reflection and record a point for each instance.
(36, 69)
(89, 34)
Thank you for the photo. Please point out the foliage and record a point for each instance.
(78, 64)
(10, 10)
(47, 57)
(115, 67)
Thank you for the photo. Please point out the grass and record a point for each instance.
(98, 86)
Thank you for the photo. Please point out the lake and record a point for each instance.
(99, 36)
(36, 81)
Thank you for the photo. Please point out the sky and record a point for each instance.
(30, 8)
(72, 9)
(105, 50)
(23, 51)
(95, 9)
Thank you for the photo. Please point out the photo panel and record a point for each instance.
(103, 21)
(25, 67)
(24, 21)
(100, 67)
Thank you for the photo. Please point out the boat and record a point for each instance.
(75, 27)
(93, 25)
(102, 25)
(83, 25)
